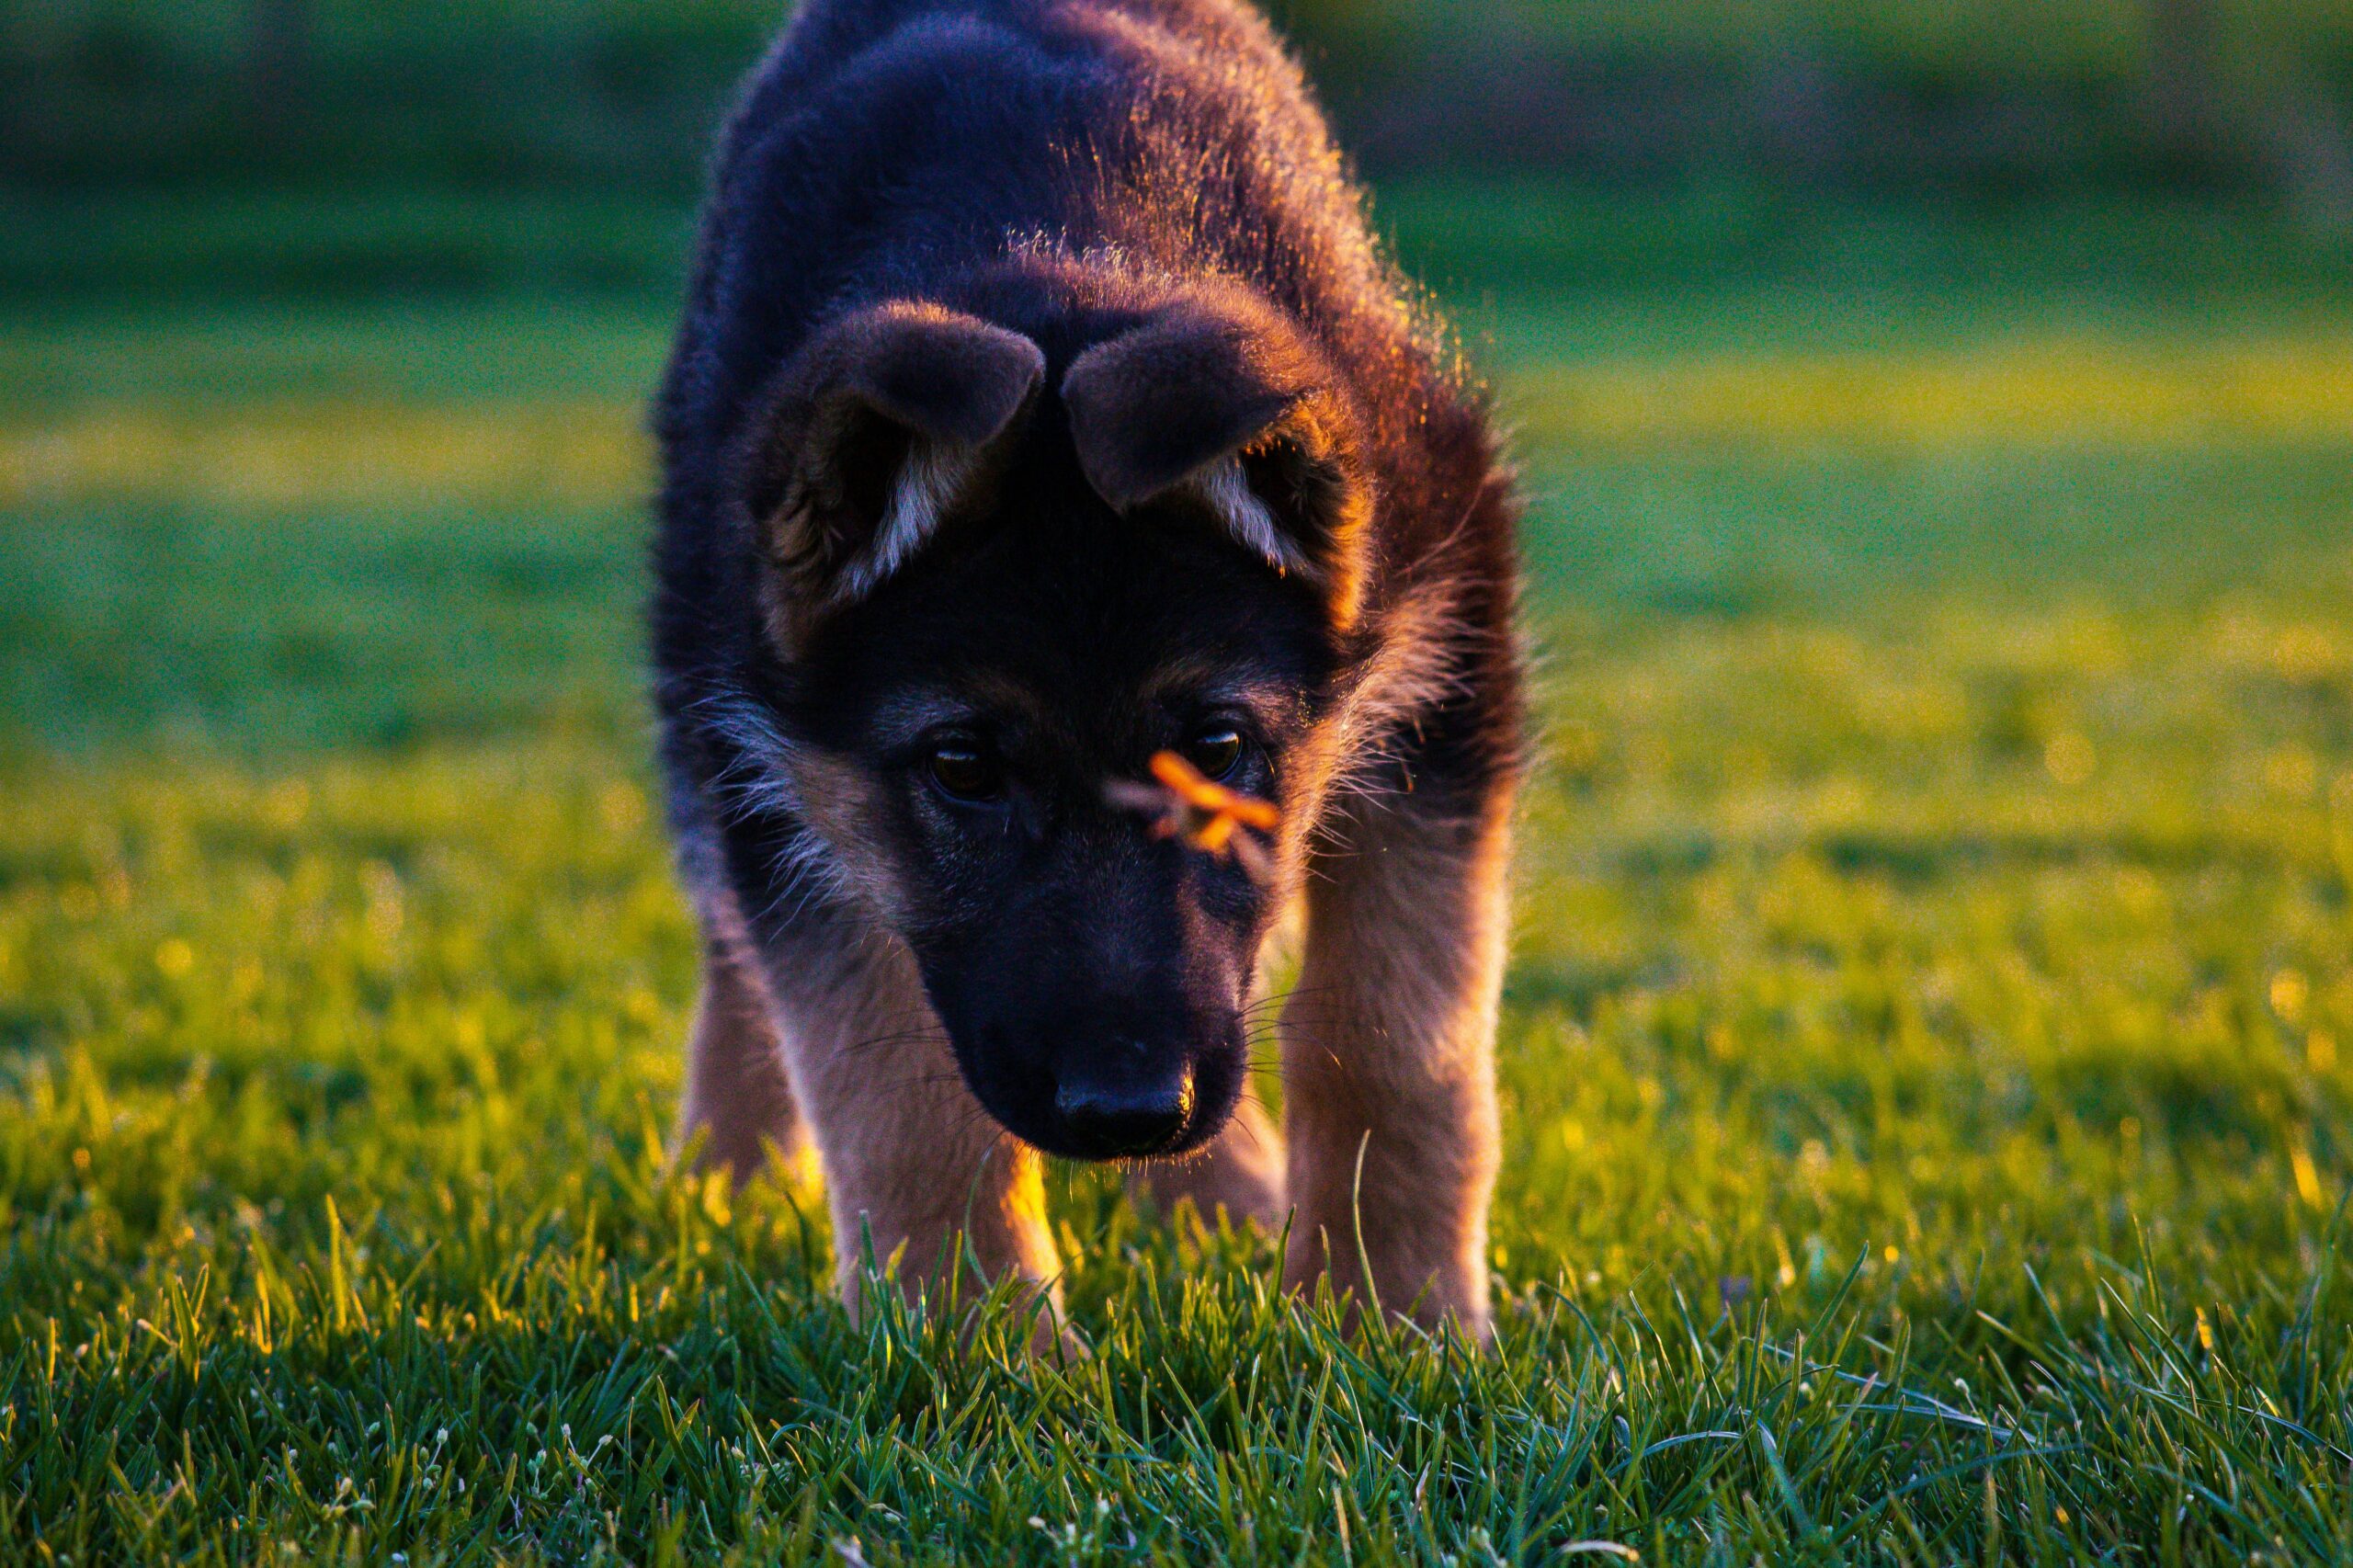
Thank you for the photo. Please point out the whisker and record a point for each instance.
(877, 1043)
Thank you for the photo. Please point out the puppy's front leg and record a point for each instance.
(912, 1161)
(738, 1106)
(1389, 1059)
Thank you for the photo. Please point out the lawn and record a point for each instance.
(1927, 1049)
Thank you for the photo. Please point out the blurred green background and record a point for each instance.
(616, 92)
(190, 146)
(1937, 426)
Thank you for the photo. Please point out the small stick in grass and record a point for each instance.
(1185, 804)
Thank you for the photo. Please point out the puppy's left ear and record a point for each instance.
(1218, 400)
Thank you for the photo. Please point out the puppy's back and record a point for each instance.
(885, 141)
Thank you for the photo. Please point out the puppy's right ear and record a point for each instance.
(881, 425)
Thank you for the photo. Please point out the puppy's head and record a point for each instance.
(999, 583)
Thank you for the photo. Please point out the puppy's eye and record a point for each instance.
(962, 771)
(1217, 751)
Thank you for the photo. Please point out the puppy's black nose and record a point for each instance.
(1111, 1120)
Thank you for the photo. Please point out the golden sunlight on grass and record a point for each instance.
(2058, 391)
(2047, 392)
(1925, 1059)
(353, 452)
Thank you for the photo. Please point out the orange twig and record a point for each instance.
(1205, 813)
(1202, 794)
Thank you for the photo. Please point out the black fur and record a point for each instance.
(1071, 171)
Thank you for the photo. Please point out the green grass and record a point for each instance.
(1927, 1050)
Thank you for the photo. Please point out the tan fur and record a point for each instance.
(914, 1167)
(1241, 1172)
(926, 487)
(1388, 1050)
(836, 1044)
(838, 801)
(1225, 490)
(738, 1100)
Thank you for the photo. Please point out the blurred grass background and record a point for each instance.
(174, 146)
(614, 94)
(1939, 433)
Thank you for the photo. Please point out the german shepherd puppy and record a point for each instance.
(1041, 406)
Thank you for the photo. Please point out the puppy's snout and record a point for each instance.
(1125, 1117)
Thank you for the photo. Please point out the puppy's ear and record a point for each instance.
(882, 424)
(1218, 400)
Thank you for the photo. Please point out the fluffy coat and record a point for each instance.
(1041, 400)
